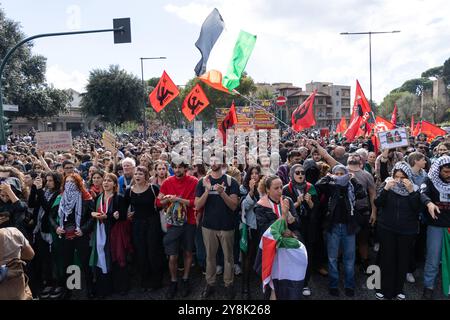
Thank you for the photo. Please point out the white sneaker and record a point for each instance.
(401, 296)
(410, 278)
(376, 247)
(237, 270)
(379, 296)
(306, 291)
(219, 270)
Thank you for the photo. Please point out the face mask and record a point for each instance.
(342, 180)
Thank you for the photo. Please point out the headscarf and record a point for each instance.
(434, 175)
(71, 201)
(399, 188)
(295, 184)
(344, 181)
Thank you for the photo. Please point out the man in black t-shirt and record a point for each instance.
(217, 194)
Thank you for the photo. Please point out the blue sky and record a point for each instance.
(298, 41)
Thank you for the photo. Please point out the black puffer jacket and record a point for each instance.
(398, 213)
(332, 191)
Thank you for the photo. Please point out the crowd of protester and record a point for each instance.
(135, 213)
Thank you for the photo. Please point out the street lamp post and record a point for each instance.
(143, 89)
(370, 33)
(122, 34)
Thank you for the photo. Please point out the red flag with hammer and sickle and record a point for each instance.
(303, 115)
(194, 103)
(164, 93)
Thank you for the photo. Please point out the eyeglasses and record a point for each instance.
(300, 173)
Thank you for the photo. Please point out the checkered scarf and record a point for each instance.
(71, 201)
(434, 175)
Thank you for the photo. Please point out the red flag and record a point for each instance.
(360, 115)
(416, 131)
(361, 105)
(353, 129)
(342, 126)
(382, 124)
(229, 121)
(431, 130)
(412, 125)
(194, 103)
(164, 93)
(394, 115)
(303, 115)
(361, 131)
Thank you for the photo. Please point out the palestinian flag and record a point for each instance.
(446, 262)
(282, 262)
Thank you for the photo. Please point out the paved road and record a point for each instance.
(318, 284)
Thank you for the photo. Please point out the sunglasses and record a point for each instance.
(300, 173)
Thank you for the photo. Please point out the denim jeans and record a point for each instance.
(335, 238)
(434, 253)
(200, 251)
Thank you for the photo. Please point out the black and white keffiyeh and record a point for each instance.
(434, 175)
(71, 201)
(405, 167)
(399, 188)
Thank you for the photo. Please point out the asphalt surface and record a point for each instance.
(318, 285)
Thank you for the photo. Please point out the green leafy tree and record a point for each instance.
(436, 111)
(24, 76)
(387, 106)
(446, 71)
(113, 95)
(415, 86)
(433, 72)
(264, 94)
(408, 105)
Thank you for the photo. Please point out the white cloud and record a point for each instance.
(62, 79)
(299, 41)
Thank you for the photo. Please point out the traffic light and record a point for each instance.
(124, 35)
(7, 127)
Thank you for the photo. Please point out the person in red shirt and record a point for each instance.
(177, 195)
